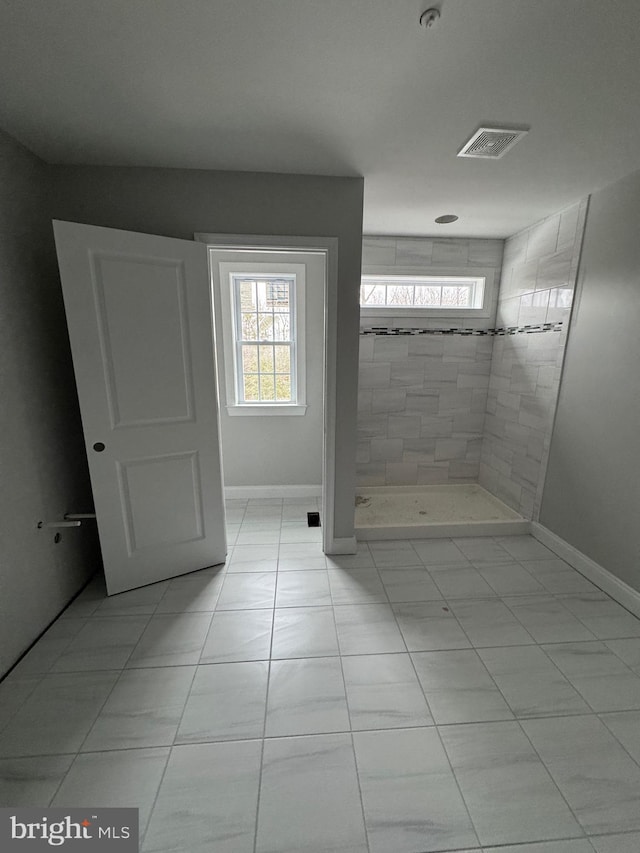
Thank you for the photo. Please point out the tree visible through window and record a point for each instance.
(264, 310)
(421, 292)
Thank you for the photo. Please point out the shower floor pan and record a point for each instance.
(420, 512)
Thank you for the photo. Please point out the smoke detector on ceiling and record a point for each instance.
(491, 143)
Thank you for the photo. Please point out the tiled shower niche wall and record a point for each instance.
(537, 286)
(422, 398)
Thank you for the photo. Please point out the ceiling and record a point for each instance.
(338, 87)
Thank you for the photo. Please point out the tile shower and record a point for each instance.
(474, 406)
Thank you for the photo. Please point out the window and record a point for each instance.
(421, 292)
(262, 312)
(398, 295)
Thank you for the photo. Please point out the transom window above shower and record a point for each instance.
(393, 293)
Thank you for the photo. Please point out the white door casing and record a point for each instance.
(328, 246)
(140, 324)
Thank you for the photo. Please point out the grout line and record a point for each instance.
(322, 733)
(552, 777)
(353, 751)
(170, 752)
(152, 808)
(359, 784)
(393, 605)
(601, 714)
(263, 739)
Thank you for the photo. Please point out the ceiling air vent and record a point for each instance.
(491, 143)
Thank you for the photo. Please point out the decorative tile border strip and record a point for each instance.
(504, 330)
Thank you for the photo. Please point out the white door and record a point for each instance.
(140, 325)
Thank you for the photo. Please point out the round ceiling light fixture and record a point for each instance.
(446, 219)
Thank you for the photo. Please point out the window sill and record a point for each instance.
(432, 314)
(261, 410)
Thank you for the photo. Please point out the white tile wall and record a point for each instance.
(446, 409)
(422, 399)
(424, 421)
(537, 283)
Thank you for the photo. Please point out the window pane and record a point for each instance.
(265, 327)
(373, 294)
(247, 296)
(421, 292)
(283, 388)
(283, 359)
(249, 327)
(267, 389)
(250, 387)
(456, 296)
(428, 295)
(400, 295)
(266, 360)
(282, 327)
(249, 359)
(261, 287)
(265, 306)
(278, 295)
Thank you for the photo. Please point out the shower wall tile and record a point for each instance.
(537, 283)
(401, 473)
(366, 349)
(450, 448)
(543, 238)
(433, 475)
(388, 400)
(464, 471)
(365, 398)
(449, 409)
(372, 474)
(396, 349)
(363, 452)
(386, 449)
(428, 255)
(379, 251)
(485, 253)
(419, 450)
(404, 426)
(410, 252)
(421, 418)
(408, 373)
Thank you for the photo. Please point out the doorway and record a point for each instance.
(265, 452)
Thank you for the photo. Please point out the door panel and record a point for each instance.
(123, 297)
(139, 316)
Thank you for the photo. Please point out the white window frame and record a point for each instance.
(232, 363)
(482, 312)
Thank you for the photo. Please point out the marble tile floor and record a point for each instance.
(445, 695)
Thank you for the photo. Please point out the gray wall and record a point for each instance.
(536, 288)
(177, 203)
(422, 398)
(43, 463)
(592, 491)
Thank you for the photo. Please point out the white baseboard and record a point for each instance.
(620, 591)
(244, 492)
(347, 545)
(442, 530)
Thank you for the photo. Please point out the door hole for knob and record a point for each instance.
(98, 447)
